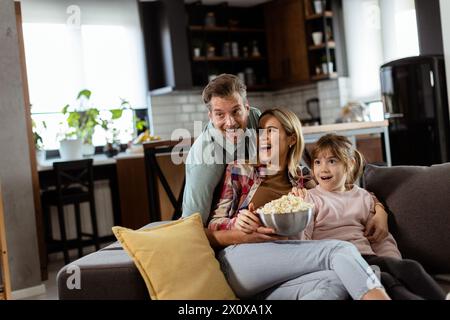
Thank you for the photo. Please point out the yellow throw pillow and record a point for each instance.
(176, 261)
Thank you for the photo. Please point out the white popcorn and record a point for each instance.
(285, 204)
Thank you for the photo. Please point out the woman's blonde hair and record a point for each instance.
(341, 148)
(291, 124)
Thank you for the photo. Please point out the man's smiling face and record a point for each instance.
(229, 115)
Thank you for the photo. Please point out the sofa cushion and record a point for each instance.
(176, 260)
(418, 202)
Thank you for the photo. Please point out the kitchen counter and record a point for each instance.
(351, 130)
(311, 134)
(99, 159)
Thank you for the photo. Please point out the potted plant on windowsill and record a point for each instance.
(82, 122)
(112, 146)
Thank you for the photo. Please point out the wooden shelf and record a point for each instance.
(225, 29)
(324, 76)
(219, 58)
(258, 87)
(330, 45)
(326, 14)
(234, 25)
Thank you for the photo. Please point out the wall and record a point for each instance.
(15, 173)
(399, 27)
(333, 95)
(180, 109)
(445, 18)
(364, 47)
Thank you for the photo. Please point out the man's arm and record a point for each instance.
(201, 181)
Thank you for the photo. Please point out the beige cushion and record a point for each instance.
(176, 260)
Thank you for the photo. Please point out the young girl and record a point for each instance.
(342, 210)
(272, 270)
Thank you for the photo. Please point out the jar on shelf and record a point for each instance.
(255, 50)
(210, 19)
(226, 50)
(211, 52)
(234, 49)
(249, 77)
(197, 52)
(245, 52)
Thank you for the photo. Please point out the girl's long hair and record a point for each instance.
(341, 148)
(293, 127)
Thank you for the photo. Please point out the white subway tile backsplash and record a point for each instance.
(197, 99)
(181, 109)
(166, 109)
(189, 108)
(201, 108)
(181, 118)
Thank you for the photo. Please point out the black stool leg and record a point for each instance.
(78, 224)
(62, 229)
(94, 222)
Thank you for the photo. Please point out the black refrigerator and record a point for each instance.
(414, 94)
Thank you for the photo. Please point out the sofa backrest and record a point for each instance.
(418, 202)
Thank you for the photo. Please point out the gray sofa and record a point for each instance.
(417, 199)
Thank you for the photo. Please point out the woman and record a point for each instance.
(269, 269)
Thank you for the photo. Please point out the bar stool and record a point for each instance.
(74, 185)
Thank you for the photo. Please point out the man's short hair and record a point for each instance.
(222, 86)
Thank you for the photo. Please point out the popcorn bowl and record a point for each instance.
(287, 224)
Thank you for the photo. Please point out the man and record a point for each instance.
(230, 115)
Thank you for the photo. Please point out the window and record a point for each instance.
(94, 45)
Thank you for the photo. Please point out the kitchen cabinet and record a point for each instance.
(287, 49)
(325, 39)
(225, 39)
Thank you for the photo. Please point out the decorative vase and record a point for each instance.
(71, 149)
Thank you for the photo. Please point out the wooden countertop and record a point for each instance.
(344, 127)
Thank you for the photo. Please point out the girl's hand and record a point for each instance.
(247, 221)
(301, 193)
(377, 226)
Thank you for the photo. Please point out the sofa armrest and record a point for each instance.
(107, 274)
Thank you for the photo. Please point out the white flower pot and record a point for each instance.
(71, 149)
(88, 149)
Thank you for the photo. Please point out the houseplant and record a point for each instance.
(38, 142)
(82, 122)
(112, 146)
